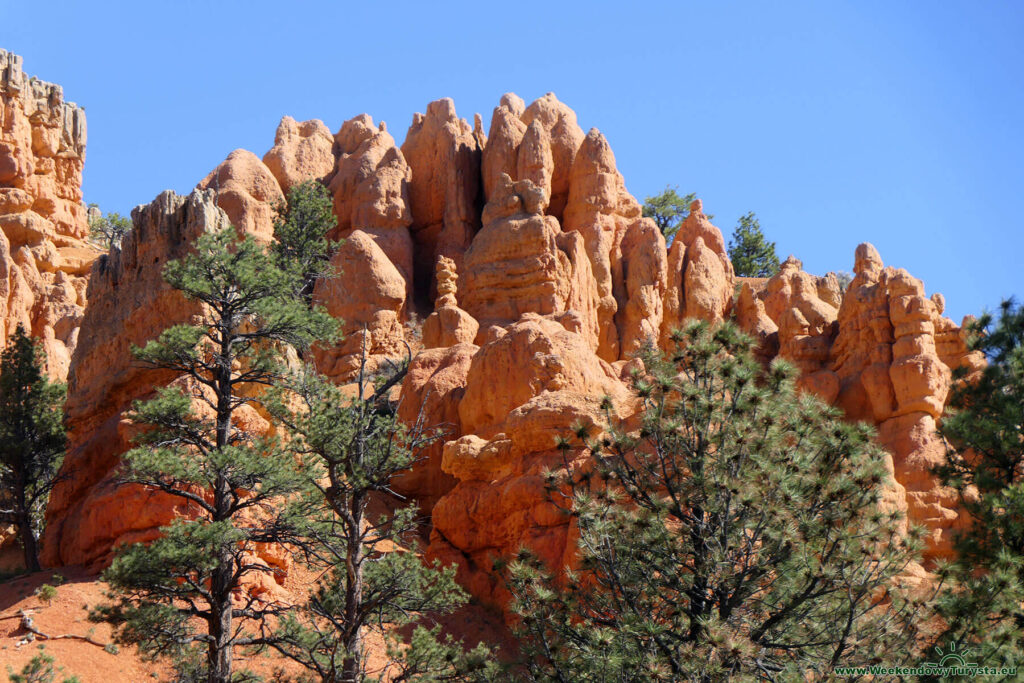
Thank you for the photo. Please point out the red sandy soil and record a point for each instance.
(68, 612)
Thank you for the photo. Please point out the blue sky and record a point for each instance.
(898, 123)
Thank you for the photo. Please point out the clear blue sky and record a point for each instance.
(899, 123)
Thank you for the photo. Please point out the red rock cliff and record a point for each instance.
(44, 259)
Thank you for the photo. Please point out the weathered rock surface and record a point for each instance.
(558, 123)
(247, 191)
(130, 304)
(539, 281)
(522, 262)
(578, 189)
(501, 154)
(370, 186)
(873, 351)
(432, 391)
(550, 379)
(889, 371)
(806, 324)
(301, 152)
(700, 275)
(44, 257)
(448, 324)
(600, 209)
(372, 311)
(444, 155)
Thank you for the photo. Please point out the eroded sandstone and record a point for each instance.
(88, 512)
(44, 255)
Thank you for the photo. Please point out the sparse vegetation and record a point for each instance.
(108, 230)
(668, 210)
(40, 669)
(413, 328)
(46, 593)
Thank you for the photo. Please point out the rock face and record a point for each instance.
(883, 353)
(889, 370)
(370, 186)
(448, 325)
(550, 379)
(432, 391)
(247, 191)
(701, 278)
(301, 152)
(539, 281)
(44, 258)
(522, 262)
(130, 304)
(372, 312)
(444, 156)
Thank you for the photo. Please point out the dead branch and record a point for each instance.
(28, 624)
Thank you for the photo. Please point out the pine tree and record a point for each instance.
(234, 485)
(668, 210)
(734, 532)
(373, 579)
(108, 231)
(301, 229)
(32, 440)
(983, 604)
(751, 254)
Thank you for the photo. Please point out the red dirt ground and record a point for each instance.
(67, 614)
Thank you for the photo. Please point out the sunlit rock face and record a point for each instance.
(881, 351)
(88, 512)
(44, 258)
(537, 281)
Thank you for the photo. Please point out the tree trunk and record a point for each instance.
(221, 584)
(28, 543)
(28, 537)
(352, 665)
(220, 649)
(221, 646)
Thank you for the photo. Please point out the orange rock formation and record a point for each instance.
(44, 259)
(883, 353)
(538, 278)
(130, 305)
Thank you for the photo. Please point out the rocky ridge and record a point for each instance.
(538, 280)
